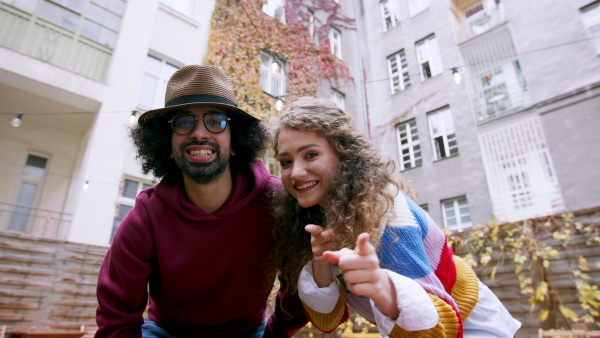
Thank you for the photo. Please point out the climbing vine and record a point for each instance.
(236, 46)
(532, 247)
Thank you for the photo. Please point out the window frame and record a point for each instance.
(433, 57)
(394, 14)
(445, 115)
(81, 19)
(417, 6)
(456, 207)
(269, 81)
(402, 73)
(415, 160)
(171, 4)
(39, 182)
(159, 88)
(592, 22)
(337, 96)
(127, 201)
(335, 44)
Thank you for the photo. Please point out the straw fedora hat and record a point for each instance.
(197, 84)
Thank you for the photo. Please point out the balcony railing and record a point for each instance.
(42, 40)
(34, 221)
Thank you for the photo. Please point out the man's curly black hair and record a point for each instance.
(152, 139)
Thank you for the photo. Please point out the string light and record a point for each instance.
(86, 185)
(456, 74)
(17, 120)
(132, 117)
(279, 104)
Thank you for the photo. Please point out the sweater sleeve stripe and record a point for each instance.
(327, 322)
(466, 288)
(448, 325)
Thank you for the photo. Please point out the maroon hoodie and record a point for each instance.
(202, 274)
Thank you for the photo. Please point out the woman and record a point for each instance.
(340, 194)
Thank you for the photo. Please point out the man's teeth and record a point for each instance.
(306, 185)
(203, 152)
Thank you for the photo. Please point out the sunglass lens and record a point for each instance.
(183, 124)
(215, 123)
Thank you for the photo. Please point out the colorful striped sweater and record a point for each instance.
(412, 245)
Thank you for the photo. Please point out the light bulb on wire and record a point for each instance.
(17, 120)
(456, 75)
(86, 185)
(132, 117)
(278, 104)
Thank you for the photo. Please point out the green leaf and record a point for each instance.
(542, 316)
(568, 313)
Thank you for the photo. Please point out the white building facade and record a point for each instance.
(514, 139)
(79, 72)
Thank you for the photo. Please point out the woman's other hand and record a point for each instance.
(320, 241)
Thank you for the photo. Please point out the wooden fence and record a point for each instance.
(49, 285)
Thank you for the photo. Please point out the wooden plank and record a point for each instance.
(18, 305)
(27, 270)
(24, 282)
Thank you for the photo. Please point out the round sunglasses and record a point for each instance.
(183, 124)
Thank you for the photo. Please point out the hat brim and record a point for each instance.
(151, 114)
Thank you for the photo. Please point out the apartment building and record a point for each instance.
(514, 138)
(74, 75)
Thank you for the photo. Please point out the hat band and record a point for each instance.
(199, 98)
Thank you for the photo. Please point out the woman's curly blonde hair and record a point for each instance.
(358, 196)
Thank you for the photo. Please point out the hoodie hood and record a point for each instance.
(248, 184)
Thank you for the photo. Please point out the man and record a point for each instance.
(196, 248)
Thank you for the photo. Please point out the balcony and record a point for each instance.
(494, 77)
(475, 17)
(34, 221)
(27, 34)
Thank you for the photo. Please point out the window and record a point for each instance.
(417, 6)
(398, 72)
(335, 42)
(389, 14)
(131, 188)
(32, 179)
(495, 79)
(156, 75)
(443, 137)
(183, 6)
(428, 55)
(272, 79)
(275, 8)
(456, 214)
(591, 20)
(338, 98)
(96, 20)
(521, 178)
(408, 145)
(425, 207)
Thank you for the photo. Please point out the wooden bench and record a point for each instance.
(361, 335)
(48, 334)
(566, 333)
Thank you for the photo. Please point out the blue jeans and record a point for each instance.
(151, 330)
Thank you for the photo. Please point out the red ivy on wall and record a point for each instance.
(235, 46)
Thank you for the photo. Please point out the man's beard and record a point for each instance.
(204, 172)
